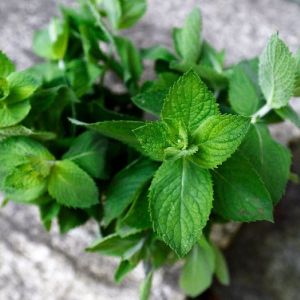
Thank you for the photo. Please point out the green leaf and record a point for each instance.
(288, 113)
(48, 212)
(25, 168)
(150, 101)
(12, 114)
(124, 268)
(188, 103)
(126, 187)
(69, 218)
(221, 268)
(71, 186)
(114, 245)
(16, 151)
(297, 77)
(19, 130)
(52, 42)
(145, 288)
(113, 10)
(132, 11)
(82, 76)
(197, 273)
(6, 65)
(118, 130)
(277, 73)
(180, 203)
(28, 181)
(130, 59)
(88, 151)
(271, 160)
(188, 40)
(153, 137)
(244, 97)
(158, 53)
(137, 218)
(124, 13)
(217, 139)
(4, 88)
(151, 98)
(212, 58)
(240, 194)
(22, 85)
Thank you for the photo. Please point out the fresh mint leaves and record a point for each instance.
(154, 163)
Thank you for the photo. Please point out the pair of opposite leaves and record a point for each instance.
(191, 138)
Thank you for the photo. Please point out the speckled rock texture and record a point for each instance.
(35, 265)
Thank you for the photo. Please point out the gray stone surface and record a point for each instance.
(36, 265)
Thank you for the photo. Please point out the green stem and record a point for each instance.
(260, 113)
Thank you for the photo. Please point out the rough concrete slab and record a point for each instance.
(36, 265)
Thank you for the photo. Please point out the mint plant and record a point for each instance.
(155, 166)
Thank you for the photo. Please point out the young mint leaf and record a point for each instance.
(13, 113)
(114, 245)
(221, 268)
(212, 58)
(130, 59)
(69, 185)
(240, 194)
(88, 151)
(277, 73)
(180, 203)
(22, 85)
(118, 130)
(153, 137)
(132, 11)
(16, 151)
(52, 42)
(243, 94)
(145, 289)
(188, 40)
(188, 103)
(70, 218)
(126, 187)
(27, 182)
(271, 160)
(113, 11)
(288, 113)
(124, 13)
(6, 65)
(217, 139)
(197, 273)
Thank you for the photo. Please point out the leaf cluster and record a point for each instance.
(157, 164)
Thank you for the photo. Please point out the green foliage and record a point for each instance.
(71, 186)
(188, 40)
(187, 189)
(126, 187)
(277, 73)
(124, 13)
(79, 148)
